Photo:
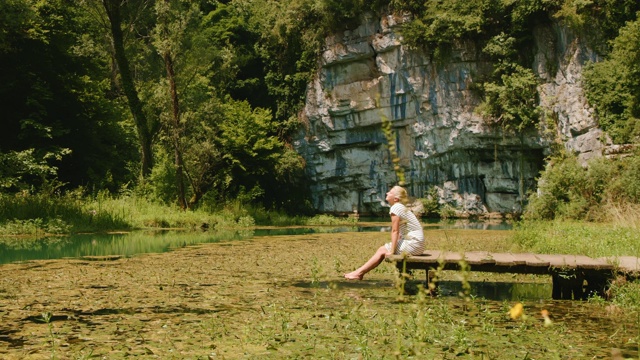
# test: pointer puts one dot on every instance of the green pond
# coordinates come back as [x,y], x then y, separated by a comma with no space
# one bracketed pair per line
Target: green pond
[585,327]
[140,242]
[136,242]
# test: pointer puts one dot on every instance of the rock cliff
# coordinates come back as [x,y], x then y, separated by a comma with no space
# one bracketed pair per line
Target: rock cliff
[368,76]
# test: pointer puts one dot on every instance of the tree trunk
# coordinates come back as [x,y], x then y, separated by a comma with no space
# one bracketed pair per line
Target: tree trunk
[112,7]
[168,62]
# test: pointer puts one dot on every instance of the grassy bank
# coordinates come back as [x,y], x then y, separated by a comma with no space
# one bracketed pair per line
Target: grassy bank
[35,215]
[578,237]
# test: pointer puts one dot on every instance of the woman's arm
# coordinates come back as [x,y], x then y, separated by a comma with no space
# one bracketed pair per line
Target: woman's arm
[395,232]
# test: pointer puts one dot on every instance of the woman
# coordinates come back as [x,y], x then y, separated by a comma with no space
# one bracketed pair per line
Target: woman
[406,234]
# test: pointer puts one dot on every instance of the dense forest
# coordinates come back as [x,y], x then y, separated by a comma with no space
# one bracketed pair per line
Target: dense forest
[193,103]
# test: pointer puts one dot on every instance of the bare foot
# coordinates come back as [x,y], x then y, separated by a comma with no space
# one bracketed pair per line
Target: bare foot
[353,276]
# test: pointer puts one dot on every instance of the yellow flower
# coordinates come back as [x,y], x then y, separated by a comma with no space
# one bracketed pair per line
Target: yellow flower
[516,311]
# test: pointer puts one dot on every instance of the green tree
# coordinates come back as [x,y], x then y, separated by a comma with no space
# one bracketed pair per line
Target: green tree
[225,146]
[169,33]
[512,102]
[613,86]
[113,9]
[54,98]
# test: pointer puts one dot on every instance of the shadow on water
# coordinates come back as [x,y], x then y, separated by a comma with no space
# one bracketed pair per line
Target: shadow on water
[343,284]
[6,335]
[498,291]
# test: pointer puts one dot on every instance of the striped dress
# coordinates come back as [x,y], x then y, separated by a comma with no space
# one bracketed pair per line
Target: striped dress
[411,236]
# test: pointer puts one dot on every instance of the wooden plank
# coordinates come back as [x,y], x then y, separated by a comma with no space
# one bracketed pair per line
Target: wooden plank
[450,257]
[519,261]
[430,257]
[431,254]
[506,259]
[531,260]
[478,258]
[629,264]
[585,262]
[575,262]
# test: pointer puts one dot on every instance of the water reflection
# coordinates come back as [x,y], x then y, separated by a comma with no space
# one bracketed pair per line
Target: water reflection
[499,291]
[139,242]
[472,225]
[127,244]
[488,290]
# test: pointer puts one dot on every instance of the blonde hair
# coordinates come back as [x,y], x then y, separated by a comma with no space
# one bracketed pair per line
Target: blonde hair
[401,194]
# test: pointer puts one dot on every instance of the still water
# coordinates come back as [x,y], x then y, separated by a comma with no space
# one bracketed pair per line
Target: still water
[141,242]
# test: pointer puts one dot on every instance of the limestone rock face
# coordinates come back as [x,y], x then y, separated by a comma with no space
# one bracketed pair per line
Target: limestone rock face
[368,77]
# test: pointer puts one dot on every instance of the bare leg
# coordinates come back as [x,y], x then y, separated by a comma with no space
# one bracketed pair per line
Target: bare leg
[371,264]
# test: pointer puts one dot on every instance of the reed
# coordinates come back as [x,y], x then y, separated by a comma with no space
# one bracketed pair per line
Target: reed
[36,215]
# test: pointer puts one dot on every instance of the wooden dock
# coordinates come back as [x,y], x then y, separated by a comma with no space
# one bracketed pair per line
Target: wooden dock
[574,276]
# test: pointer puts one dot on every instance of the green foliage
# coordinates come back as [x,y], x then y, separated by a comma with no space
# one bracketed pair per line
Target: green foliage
[512,102]
[622,180]
[613,86]
[230,143]
[447,211]
[234,150]
[163,179]
[35,227]
[597,20]
[627,295]
[439,23]
[430,202]
[53,213]
[569,191]
[54,96]
[21,169]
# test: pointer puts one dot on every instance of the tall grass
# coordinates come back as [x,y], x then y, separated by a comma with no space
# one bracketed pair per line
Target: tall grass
[583,238]
[624,215]
[31,214]
[73,212]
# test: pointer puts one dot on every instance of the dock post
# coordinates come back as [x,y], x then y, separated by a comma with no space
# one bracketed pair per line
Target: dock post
[567,285]
[598,283]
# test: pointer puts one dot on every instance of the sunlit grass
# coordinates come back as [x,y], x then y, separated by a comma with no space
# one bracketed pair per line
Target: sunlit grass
[580,238]
[624,215]
[38,214]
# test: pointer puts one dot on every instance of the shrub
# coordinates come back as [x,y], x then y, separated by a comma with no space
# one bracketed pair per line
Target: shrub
[430,202]
[566,190]
[612,86]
